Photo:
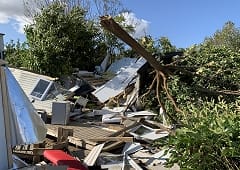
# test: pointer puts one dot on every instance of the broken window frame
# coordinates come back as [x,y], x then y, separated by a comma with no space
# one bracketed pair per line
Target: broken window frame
[43,95]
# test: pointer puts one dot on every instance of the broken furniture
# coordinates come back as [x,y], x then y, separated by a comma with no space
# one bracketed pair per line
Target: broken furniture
[60,112]
[58,157]
[34,152]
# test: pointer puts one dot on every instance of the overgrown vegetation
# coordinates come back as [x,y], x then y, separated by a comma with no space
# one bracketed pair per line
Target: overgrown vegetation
[62,37]
[205,87]
[60,40]
[210,139]
[17,54]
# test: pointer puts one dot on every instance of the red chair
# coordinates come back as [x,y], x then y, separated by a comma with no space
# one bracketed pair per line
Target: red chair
[58,157]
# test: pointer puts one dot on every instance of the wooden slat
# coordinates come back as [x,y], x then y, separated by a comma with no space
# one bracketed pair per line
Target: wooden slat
[113,146]
[104,139]
[81,134]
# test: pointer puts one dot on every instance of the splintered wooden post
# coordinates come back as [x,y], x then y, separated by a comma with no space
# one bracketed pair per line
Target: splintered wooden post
[109,24]
[62,134]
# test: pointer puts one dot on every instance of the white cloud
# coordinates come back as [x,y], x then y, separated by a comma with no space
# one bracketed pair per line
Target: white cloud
[3,18]
[13,10]
[20,23]
[141,25]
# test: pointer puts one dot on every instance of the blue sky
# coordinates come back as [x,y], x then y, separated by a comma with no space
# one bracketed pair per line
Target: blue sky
[11,31]
[184,22]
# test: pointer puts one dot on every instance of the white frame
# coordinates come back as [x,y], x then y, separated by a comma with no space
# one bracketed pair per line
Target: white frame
[45,91]
[152,135]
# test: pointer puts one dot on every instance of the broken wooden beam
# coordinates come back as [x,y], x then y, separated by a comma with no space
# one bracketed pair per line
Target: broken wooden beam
[109,24]
[91,158]
[62,134]
[112,146]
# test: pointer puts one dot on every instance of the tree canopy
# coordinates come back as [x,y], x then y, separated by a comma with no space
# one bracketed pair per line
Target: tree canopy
[206,88]
[94,8]
[60,40]
[228,36]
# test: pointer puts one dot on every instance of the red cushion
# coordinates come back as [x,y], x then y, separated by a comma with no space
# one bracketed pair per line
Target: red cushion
[58,157]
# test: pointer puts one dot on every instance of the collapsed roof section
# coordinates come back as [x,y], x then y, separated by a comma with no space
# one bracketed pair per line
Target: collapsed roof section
[119,83]
[41,90]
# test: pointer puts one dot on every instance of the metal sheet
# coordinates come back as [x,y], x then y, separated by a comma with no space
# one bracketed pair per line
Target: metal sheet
[116,85]
[121,64]
[130,148]
[26,125]
[147,133]
[4,156]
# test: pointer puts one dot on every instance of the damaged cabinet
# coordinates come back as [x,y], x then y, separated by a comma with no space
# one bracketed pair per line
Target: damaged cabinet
[60,112]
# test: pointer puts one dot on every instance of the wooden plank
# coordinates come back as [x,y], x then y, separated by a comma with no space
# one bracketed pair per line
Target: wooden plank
[62,134]
[109,24]
[91,158]
[81,134]
[104,139]
[112,146]
[81,143]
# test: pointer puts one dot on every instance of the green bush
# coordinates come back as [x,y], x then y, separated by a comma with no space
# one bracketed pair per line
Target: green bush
[210,140]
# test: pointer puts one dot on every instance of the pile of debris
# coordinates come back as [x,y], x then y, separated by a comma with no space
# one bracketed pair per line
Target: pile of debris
[97,120]
[104,127]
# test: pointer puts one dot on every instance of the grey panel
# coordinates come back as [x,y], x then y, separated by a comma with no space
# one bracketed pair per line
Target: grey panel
[60,112]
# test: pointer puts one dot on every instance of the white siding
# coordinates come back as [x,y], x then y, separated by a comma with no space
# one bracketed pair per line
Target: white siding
[27,81]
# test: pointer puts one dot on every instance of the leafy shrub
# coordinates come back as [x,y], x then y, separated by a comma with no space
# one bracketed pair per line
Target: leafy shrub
[210,140]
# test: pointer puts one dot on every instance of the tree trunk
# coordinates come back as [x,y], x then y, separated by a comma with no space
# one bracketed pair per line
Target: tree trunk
[109,24]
